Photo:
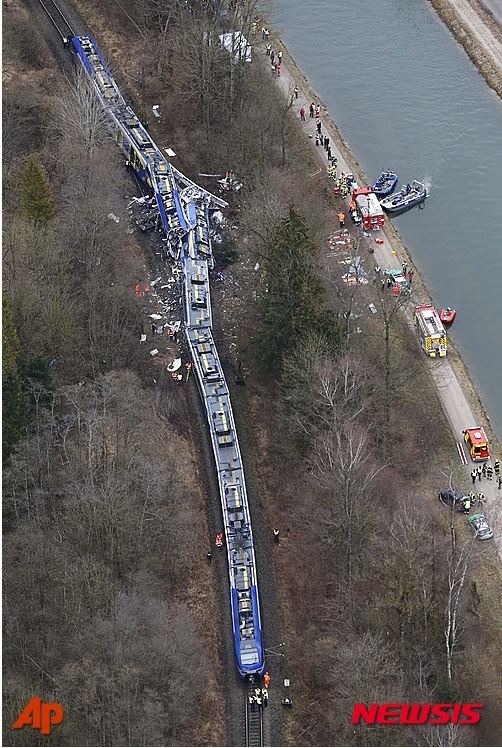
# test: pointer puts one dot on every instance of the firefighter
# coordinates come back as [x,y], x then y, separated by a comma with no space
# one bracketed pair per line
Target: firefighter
[496,466]
[209,556]
[467,504]
[267,680]
[276,535]
[489,472]
[473,475]
[264,693]
[484,469]
[252,702]
[480,472]
[481,499]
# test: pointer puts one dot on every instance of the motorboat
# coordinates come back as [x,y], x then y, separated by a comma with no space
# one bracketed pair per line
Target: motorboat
[407,197]
[447,315]
[385,184]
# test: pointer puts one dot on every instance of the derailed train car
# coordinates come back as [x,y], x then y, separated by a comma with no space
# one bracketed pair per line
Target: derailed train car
[184,210]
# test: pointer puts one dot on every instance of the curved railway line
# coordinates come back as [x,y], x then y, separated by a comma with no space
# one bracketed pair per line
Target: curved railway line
[184,211]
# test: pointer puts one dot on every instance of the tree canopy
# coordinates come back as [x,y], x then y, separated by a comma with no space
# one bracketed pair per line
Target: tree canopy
[37,201]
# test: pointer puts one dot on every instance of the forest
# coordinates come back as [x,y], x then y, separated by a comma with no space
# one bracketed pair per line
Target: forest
[381,597]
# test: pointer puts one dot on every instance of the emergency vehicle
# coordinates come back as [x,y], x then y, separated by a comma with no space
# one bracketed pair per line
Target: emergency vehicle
[369,208]
[430,331]
[477,444]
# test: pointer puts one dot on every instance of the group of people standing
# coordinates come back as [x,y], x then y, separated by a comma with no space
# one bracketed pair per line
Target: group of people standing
[487,471]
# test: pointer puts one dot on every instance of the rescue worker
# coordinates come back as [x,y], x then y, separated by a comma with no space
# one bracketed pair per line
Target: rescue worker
[473,475]
[484,469]
[312,110]
[496,466]
[252,702]
[319,126]
[276,535]
[279,57]
[499,482]
[295,91]
[489,472]
[209,556]
[264,693]
[269,49]
[326,142]
[410,276]
[480,472]
[267,680]
[481,499]
[341,218]
[259,700]
[287,702]
[467,504]
[317,139]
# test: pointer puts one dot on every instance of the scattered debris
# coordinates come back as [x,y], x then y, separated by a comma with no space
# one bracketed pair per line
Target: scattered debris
[372,308]
[113,217]
[154,352]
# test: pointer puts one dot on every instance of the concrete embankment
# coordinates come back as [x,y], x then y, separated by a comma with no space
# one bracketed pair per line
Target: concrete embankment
[461,403]
[479,34]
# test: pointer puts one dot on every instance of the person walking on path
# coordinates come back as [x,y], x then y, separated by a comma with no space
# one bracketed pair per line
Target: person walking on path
[295,91]
[276,535]
[484,469]
[278,68]
[496,466]
[473,475]
[499,482]
[272,56]
[480,472]
[268,49]
[318,111]
[410,276]
[317,139]
[326,142]
[273,69]
[279,56]
[319,126]
[302,114]
[312,110]
[321,140]
[329,153]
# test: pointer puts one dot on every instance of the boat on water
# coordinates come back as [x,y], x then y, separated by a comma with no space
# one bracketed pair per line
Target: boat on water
[408,196]
[447,315]
[385,184]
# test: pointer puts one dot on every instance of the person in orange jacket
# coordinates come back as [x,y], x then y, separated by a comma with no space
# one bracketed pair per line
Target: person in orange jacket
[266,680]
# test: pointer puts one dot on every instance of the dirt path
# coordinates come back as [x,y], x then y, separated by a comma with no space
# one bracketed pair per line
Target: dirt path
[455,390]
[479,34]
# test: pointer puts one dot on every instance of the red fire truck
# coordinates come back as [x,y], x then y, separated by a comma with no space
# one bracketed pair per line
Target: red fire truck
[369,208]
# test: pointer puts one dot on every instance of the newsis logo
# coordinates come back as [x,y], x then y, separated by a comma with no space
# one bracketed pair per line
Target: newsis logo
[417,714]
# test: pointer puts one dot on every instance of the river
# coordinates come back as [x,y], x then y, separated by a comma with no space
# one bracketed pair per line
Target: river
[406,97]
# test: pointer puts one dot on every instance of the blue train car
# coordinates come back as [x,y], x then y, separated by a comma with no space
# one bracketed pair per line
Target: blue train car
[184,215]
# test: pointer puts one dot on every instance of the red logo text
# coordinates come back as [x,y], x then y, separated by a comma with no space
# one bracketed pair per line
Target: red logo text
[417,714]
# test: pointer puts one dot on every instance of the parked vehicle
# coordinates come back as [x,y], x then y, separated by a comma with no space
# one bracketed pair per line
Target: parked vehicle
[430,331]
[453,499]
[385,184]
[407,197]
[477,444]
[369,208]
[398,278]
[480,527]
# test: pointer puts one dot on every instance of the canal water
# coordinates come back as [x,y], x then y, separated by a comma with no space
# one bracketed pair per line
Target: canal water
[406,97]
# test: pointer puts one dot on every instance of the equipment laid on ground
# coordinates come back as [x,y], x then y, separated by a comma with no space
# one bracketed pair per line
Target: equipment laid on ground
[430,330]
[184,208]
[477,444]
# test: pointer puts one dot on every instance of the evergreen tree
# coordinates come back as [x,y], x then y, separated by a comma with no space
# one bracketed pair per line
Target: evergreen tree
[37,201]
[291,308]
[14,401]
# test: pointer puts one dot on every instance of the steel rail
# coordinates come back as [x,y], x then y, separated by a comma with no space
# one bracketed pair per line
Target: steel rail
[63,36]
[254,719]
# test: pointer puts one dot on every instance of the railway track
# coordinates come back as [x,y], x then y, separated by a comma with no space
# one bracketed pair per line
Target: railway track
[58,20]
[254,719]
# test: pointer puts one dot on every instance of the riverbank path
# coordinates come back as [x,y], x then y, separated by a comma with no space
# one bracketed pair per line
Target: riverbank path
[456,406]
